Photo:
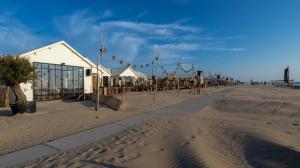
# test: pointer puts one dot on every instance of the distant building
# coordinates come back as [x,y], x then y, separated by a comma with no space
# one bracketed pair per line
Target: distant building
[127,76]
[141,78]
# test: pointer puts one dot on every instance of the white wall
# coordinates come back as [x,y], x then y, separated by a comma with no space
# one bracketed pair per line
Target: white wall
[28,91]
[58,54]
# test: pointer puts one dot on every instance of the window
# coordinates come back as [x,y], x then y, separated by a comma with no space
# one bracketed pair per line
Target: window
[57,81]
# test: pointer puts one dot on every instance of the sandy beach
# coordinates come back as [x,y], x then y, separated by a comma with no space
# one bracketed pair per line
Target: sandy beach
[250,127]
[56,119]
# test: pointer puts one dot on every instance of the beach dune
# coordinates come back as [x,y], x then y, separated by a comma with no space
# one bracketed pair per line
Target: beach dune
[250,127]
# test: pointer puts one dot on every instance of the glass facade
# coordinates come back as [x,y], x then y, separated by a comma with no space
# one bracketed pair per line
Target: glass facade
[57,81]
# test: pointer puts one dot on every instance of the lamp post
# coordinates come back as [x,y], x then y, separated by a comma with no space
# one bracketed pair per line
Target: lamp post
[98,82]
[156,58]
[152,76]
[178,75]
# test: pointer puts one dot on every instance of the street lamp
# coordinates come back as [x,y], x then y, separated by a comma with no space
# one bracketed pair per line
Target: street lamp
[102,50]
[157,59]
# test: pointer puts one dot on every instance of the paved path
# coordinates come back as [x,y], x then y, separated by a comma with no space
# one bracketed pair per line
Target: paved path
[93,135]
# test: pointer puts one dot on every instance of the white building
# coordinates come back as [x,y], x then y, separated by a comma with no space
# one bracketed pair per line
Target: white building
[141,78]
[127,76]
[60,72]
[105,75]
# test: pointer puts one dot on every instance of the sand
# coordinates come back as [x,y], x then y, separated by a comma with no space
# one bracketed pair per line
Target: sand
[250,127]
[56,119]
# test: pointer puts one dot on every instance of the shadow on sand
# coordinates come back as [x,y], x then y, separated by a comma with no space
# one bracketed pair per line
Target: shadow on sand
[264,154]
[86,103]
[185,157]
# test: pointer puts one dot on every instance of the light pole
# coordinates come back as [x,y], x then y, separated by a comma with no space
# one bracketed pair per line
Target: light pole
[178,75]
[157,58]
[98,82]
[152,77]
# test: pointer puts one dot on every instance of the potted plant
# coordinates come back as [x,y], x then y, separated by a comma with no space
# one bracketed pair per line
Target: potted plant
[14,71]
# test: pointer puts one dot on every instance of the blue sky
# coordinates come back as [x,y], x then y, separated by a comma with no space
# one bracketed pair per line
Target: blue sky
[241,38]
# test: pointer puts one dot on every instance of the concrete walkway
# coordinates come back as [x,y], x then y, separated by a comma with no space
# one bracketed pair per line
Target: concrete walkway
[96,134]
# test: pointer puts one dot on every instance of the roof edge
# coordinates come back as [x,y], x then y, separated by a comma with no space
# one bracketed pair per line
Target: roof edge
[60,43]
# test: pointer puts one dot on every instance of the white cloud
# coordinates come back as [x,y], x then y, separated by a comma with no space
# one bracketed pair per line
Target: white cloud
[15,37]
[224,49]
[126,38]
[180,46]
[135,41]
[148,28]
[128,46]
[107,13]
[192,47]
[144,13]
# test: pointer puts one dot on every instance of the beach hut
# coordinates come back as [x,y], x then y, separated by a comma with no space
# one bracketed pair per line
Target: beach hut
[61,72]
[141,78]
[124,76]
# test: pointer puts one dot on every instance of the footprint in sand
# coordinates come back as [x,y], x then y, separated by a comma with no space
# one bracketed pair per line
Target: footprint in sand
[99,160]
[86,155]
[120,142]
[118,150]
[289,132]
[192,137]
[158,150]
[135,155]
[119,158]
[161,149]
[121,155]
[199,131]
[184,143]
[141,144]
[93,149]
[109,159]
[114,139]
[100,150]
[132,142]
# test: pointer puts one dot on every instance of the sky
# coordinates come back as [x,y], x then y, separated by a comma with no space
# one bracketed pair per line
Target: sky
[243,39]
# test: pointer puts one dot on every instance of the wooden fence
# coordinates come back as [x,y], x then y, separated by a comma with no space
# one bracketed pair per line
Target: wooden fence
[4,96]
